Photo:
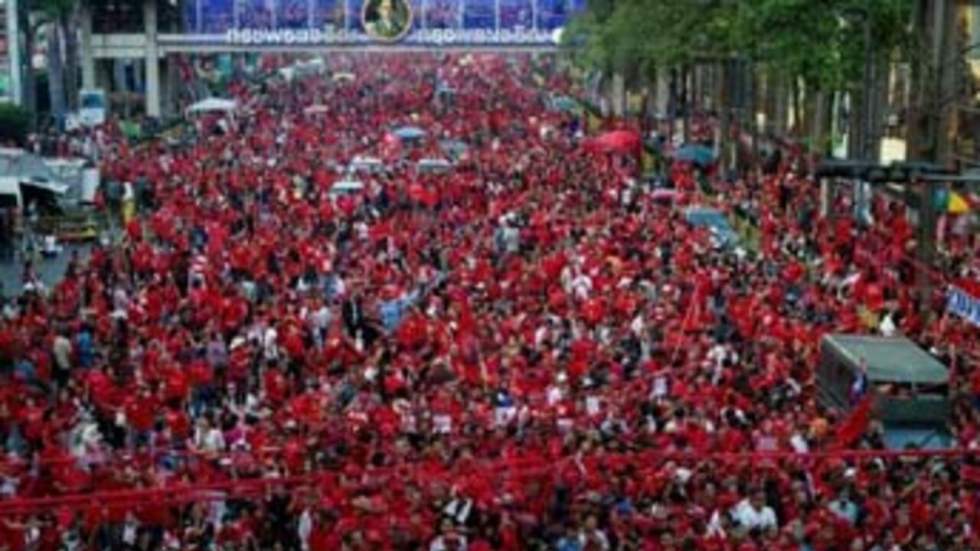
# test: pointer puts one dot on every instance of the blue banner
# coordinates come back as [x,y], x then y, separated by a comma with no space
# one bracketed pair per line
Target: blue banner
[419,22]
[964,305]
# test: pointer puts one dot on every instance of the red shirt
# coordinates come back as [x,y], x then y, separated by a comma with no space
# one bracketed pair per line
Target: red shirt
[141,411]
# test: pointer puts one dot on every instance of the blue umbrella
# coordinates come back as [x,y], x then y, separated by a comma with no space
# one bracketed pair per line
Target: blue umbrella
[409,133]
[453,148]
[564,103]
[698,154]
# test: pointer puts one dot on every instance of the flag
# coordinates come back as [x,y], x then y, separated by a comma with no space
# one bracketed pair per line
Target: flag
[854,426]
[970,473]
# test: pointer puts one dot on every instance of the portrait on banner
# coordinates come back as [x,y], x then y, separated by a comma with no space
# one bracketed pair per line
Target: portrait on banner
[387,20]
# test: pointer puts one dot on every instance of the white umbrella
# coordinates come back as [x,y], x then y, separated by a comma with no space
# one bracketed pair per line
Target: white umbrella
[314,109]
[213,105]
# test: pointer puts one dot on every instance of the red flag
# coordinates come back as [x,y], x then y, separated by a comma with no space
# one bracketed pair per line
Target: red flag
[854,426]
[970,473]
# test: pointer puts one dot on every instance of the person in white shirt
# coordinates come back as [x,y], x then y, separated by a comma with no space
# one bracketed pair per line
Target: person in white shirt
[207,438]
[304,528]
[269,343]
[754,513]
[592,537]
[61,350]
[449,539]
[582,286]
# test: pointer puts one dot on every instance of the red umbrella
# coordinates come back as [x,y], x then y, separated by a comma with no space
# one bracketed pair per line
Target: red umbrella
[616,141]
[390,145]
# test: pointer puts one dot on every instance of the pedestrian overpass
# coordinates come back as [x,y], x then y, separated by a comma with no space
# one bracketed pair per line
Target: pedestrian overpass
[158,31]
[235,25]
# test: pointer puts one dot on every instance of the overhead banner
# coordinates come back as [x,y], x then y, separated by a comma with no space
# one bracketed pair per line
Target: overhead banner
[379,22]
[964,305]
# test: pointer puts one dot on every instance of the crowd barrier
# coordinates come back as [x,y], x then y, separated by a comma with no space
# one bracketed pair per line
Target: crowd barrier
[636,463]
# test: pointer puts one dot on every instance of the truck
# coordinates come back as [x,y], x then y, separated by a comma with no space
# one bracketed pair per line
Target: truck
[909,387]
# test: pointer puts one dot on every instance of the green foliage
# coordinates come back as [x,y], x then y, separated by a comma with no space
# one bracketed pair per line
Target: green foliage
[820,41]
[634,36]
[56,8]
[14,123]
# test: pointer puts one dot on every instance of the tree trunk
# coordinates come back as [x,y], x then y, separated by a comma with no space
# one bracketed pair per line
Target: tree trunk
[649,85]
[880,108]
[780,96]
[809,105]
[795,105]
[751,108]
[56,76]
[766,97]
[686,102]
[696,82]
[619,99]
[672,101]
[718,87]
[726,147]
[934,25]
[821,122]
[854,118]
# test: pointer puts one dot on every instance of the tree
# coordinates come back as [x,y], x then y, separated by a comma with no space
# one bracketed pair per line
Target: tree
[14,123]
[807,44]
[643,41]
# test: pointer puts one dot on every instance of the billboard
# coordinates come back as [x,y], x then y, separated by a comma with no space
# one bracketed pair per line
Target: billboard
[353,22]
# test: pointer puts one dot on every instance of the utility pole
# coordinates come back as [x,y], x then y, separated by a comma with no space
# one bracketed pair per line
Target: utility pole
[934,23]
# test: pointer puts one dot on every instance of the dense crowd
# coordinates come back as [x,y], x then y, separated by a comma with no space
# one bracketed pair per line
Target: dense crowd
[528,351]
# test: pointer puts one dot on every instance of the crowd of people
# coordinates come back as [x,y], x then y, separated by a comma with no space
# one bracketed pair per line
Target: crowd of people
[530,350]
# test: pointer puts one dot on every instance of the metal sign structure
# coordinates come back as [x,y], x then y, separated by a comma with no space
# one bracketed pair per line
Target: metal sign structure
[410,24]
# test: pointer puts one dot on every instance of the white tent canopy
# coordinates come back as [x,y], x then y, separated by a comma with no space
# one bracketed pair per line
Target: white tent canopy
[213,105]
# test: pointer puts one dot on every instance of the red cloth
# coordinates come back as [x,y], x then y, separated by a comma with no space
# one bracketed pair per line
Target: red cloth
[970,473]
[624,142]
[854,426]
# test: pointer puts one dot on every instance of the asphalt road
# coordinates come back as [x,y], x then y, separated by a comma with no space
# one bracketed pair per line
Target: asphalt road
[50,269]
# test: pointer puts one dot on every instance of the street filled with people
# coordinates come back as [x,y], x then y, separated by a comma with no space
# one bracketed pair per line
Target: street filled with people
[524,345]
